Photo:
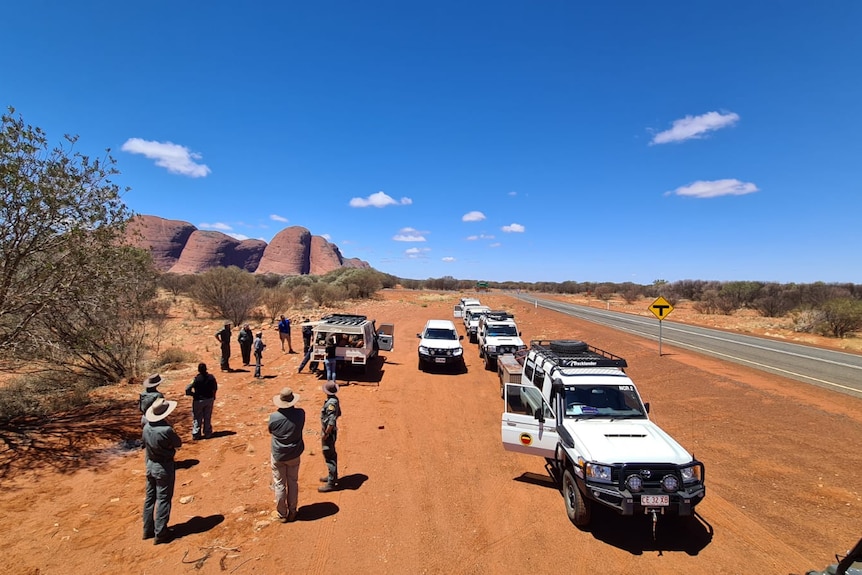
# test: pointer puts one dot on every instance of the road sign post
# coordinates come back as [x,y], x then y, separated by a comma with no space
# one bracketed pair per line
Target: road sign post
[660,308]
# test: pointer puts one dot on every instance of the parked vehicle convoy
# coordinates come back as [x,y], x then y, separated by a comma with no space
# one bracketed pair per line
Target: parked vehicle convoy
[498,334]
[576,407]
[462,303]
[440,345]
[359,339]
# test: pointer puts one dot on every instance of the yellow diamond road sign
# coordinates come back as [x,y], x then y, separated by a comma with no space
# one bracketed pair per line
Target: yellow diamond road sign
[661,308]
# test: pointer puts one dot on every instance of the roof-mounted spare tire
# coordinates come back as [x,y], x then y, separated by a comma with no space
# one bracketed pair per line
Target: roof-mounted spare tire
[568,346]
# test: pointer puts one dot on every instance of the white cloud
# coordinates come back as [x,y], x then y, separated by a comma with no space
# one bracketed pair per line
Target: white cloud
[409,235]
[327,237]
[448,259]
[513,193]
[495,245]
[480,237]
[378,200]
[473,217]
[216,226]
[517,228]
[415,253]
[239,237]
[278,218]
[177,159]
[714,189]
[694,127]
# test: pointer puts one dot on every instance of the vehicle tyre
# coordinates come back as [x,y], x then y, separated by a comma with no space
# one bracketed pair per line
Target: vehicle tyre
[568,346]
[473,338]
[421,365]
[577,506]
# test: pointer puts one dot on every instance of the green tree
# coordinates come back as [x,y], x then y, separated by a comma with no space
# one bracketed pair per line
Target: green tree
[230,293]
[62,223]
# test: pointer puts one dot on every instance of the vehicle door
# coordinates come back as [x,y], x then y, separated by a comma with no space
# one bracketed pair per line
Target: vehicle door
[528,423]
[386,336]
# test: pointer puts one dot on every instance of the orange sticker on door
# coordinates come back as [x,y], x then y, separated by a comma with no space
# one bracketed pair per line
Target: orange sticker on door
[526,439]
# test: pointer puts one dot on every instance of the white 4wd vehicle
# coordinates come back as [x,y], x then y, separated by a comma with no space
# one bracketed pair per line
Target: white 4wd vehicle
[440,345]
[577,408]
[498,334]
[472,315]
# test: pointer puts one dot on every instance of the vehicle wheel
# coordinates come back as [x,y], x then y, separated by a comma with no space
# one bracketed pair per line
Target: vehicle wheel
[481,352]
[568,346]
[489,363]
[421,366]
[577,507]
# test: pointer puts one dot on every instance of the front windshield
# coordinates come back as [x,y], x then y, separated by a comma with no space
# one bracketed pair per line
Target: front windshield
[619,401]
[502,330]
[439,333]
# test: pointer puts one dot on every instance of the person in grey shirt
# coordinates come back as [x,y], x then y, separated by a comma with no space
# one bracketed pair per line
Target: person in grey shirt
[149,395]
[160,445]
[286,426]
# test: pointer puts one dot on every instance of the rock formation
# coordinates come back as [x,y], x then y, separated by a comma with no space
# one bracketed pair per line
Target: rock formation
[179,247]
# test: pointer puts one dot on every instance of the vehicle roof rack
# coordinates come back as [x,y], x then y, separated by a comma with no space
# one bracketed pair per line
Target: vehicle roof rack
[576,353]
[498,315]
[343,319]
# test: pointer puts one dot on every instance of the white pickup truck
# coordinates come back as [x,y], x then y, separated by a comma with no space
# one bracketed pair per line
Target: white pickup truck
[577,408]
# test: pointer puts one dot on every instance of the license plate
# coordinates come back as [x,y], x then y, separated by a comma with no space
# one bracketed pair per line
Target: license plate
[440,360]
[655,500]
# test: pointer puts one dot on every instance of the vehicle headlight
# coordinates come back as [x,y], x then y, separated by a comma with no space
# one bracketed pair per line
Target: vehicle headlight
[522,347]
[670,483]
[423,350]
[598,472]
[634,483]
[457,352]
[690,474]
[492,348]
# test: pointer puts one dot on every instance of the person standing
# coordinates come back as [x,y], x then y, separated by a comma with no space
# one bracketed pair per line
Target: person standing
[307,333]
[160,445]
[245,340]
[329,415]
[203,390]
[149,395]
[223,335]
[330,360]
[284,334]
[285,426]
[259,346]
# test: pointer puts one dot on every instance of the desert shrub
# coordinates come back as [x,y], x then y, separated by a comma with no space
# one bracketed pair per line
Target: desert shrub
[807,320]
[175,355]
[275,300]
[842,316]
[230,293]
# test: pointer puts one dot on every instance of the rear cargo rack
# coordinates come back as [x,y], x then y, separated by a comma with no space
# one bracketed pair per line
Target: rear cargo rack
[574,353]
[337,319]
[498,315]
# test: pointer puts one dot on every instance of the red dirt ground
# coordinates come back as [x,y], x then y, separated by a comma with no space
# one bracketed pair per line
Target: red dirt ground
[427,486]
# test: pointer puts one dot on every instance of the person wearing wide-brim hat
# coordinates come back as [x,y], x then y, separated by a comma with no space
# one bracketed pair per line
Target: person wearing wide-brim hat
[149,395]
[160,445]
[329,415]
[285,426]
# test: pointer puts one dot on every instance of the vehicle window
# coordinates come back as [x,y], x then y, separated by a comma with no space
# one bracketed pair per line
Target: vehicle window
[603,401]
[440,333]
[538,378]
[502,330]
[532,398]
[529,367]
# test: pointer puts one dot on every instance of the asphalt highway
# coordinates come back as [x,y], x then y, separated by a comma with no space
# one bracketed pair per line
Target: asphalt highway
[834,370]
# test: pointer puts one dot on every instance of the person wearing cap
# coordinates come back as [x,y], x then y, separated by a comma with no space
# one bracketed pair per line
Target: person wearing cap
[329,415]
[203,390]
[160,445]
[285,426]
[259,346]
[223,335]
[149,395]
[245,340]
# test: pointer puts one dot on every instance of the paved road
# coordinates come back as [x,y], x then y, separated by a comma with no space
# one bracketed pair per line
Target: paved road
[831,369]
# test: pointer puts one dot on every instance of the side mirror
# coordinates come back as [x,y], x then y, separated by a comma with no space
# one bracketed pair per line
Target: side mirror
[460,337]
[646,406]
[419,335]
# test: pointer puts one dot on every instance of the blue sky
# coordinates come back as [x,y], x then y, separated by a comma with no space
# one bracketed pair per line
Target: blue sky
[498,140]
